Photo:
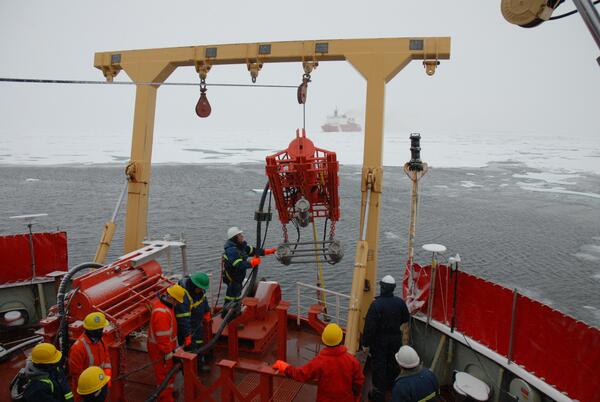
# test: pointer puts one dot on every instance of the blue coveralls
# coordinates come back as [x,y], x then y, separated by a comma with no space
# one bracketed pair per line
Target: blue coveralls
[190,314]
[235,265]
[46,385]
[416,385]
[383,336]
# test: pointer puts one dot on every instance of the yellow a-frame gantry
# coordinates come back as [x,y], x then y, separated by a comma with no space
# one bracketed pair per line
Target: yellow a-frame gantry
[377,60]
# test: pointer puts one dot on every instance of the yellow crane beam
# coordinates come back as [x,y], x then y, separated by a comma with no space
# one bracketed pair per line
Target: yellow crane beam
[377,60]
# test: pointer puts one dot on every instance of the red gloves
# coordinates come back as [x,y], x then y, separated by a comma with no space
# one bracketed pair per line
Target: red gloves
[280,365]
[254,262]
[187,341]
[206,316]
[270,250]
[108,372]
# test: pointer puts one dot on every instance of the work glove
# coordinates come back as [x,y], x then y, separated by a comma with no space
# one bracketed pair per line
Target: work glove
[255,262]
[280,366]
[207,316]
[168,356]
[187,341]
[270,250]
[108,372]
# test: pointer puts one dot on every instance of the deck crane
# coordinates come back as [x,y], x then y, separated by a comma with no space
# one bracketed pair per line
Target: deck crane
[377,60]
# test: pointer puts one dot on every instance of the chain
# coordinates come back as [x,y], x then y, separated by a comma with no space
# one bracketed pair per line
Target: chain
[122,363]
[285,233]
[202,85]
[332,230]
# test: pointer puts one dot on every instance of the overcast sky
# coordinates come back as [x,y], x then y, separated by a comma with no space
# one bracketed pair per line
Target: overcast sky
[500,78]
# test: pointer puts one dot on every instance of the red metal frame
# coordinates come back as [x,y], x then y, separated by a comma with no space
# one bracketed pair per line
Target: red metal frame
[304,170]
[263,319]
[124,294]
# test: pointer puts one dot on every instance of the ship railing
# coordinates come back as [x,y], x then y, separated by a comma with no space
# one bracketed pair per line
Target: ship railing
[335,304]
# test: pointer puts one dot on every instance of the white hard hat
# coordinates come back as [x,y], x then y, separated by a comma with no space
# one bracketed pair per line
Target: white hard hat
[389,279]
[407,357]
[233,231]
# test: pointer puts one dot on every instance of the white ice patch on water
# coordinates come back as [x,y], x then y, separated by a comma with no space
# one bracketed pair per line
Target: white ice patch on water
[559,190]
[470,174]
[535,295]
[439,149]
[391,235]
[31,179]
[469,184]
[588,252]
[548,177]
[503,185]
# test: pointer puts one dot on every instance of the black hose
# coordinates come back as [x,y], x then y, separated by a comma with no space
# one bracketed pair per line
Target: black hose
[252,280]
[230,314]
[204,348]
[63,334]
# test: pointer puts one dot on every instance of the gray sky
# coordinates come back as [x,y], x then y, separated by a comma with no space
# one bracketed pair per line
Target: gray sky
[501,78]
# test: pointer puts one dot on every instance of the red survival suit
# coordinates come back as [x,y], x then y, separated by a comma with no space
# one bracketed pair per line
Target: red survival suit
[338,374]
[162,340]
[83,354]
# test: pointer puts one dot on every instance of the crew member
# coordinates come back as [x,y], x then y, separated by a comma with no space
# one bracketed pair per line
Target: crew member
[386,329]
[92,385]
[235,262]
[162,337]
[415,382]
[194,310]
[46,382]
[89,349]
[338,374]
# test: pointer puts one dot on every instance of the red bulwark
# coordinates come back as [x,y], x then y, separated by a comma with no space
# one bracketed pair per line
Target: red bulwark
[50,255]
[562,351]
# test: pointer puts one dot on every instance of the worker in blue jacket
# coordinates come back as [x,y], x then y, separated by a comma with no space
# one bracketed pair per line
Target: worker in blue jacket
[386,329]
[194,310]
[235,262]
[415,382]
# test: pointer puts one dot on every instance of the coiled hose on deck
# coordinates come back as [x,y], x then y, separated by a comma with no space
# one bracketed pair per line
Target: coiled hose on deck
[63,335]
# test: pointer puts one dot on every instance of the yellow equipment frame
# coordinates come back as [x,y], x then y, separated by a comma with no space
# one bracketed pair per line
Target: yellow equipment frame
[377,60]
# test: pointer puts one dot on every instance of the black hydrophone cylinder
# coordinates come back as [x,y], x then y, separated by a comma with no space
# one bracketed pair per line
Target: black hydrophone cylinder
[415,153]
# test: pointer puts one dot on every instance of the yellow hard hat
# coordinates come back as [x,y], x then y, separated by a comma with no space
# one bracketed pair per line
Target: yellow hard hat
[332,335]
[177,292]
[45,353]
[94,321]
[91,380]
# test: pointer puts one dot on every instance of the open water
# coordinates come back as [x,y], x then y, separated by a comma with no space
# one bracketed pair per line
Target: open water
[510,224]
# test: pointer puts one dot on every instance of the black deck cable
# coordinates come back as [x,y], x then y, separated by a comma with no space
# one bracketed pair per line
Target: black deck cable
[233,308]
[204,348]
[63,334]
[570,12]
[93,82]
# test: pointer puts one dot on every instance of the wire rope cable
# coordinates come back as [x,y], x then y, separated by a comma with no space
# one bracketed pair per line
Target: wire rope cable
[570,12]
[97,82]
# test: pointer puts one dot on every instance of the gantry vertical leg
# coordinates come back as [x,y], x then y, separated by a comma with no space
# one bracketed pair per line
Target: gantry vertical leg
[377,69]
[139,167]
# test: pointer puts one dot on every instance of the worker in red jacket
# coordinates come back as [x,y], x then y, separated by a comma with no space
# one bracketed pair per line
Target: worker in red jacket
[162,337]
[338,374]
[89,349]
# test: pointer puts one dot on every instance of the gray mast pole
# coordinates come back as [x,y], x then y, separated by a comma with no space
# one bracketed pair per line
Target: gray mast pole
[590,16]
